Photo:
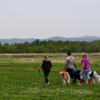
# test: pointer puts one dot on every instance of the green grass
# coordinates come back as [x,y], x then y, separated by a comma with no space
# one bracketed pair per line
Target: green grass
[20,81]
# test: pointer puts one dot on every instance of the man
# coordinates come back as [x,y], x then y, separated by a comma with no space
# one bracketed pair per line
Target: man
[70,63]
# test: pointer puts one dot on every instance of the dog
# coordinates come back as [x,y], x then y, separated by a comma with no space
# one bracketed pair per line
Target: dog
[76,75]
[94,76]
[66,77]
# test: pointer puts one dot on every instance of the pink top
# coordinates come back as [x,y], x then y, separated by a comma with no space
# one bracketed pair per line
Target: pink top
[86,61]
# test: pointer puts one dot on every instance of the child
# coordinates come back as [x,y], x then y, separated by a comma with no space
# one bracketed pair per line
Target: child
[86,68]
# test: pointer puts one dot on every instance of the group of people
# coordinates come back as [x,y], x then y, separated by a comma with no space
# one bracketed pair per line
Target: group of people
[69,66]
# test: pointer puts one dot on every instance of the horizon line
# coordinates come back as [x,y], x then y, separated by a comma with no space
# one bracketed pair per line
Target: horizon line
[51,37]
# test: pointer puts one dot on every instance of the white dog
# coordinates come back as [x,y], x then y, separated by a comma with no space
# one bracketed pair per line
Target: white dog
[94,76]
[65,76]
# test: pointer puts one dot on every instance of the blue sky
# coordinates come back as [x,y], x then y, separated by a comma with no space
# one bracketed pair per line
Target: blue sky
[47,18]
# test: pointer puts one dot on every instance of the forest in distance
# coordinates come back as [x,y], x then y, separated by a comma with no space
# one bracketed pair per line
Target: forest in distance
[51,47]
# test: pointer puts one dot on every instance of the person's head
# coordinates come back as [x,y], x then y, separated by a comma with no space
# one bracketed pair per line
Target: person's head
[84,55]
[46,57]
[68,54]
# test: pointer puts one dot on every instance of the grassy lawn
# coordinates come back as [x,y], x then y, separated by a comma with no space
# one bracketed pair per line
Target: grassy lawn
[20,81]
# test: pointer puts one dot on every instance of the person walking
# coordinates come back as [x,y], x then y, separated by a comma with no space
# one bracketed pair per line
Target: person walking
[70,63]
[46,66]
[85,68]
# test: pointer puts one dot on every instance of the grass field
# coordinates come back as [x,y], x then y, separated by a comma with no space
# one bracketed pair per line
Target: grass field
[20,81]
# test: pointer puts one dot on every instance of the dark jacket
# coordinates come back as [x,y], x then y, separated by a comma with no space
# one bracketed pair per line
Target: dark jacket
[46,65]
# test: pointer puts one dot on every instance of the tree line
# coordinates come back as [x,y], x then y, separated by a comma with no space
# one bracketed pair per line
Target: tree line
[51,47]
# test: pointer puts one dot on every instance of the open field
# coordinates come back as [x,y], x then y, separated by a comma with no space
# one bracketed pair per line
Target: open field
[20,81]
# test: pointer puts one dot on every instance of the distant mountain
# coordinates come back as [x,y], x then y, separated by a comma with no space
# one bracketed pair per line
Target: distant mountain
[84,38]
[17,40]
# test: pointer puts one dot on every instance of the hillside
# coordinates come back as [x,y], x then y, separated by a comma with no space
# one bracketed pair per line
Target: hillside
[56,38]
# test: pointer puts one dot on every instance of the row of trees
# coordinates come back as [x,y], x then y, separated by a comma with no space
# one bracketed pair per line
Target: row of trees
[51,47]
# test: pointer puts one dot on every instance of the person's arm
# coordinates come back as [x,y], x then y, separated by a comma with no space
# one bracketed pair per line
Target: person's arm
[83,65]
[50,64]
[64,68]
[75,65]
[41,66]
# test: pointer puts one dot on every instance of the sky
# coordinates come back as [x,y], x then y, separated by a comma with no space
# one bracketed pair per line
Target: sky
[48,18]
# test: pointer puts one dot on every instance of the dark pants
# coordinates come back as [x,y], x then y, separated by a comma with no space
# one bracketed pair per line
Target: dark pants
[76,76]
[70,72]
[46,76]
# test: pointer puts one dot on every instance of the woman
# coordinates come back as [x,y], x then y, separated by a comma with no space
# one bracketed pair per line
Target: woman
[86,68]
[46,66]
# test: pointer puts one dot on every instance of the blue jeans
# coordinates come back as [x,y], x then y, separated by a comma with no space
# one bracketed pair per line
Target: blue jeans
[85,72]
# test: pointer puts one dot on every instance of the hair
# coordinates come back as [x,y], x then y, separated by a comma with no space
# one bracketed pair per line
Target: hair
[84,54]
[69,53]
[46,57]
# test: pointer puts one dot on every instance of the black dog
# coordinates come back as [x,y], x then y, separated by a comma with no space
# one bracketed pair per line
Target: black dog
[76,75]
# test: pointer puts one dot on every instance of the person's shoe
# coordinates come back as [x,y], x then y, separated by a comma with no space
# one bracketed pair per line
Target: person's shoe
[48,83]
[79,84]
